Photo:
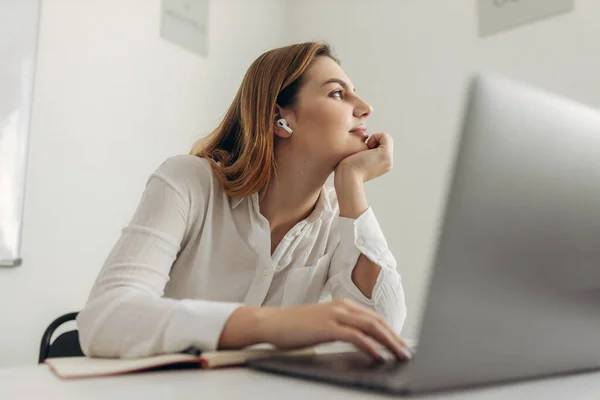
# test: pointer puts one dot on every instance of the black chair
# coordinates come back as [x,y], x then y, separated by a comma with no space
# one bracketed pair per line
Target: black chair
[65,345]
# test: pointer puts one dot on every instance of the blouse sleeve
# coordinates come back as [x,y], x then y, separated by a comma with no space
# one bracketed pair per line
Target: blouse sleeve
[364,236]
[126,315]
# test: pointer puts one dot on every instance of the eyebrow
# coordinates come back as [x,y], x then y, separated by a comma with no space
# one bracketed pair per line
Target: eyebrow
[336,80]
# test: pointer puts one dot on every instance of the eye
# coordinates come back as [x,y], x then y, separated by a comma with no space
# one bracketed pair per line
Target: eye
[336,94]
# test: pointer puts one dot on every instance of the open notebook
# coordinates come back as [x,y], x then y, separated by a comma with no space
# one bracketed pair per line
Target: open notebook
[83,367]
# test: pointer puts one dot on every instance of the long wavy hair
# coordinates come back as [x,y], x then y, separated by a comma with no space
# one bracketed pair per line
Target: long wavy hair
[241,148]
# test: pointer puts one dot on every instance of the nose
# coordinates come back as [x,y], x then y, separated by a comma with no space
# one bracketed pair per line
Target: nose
[362,109]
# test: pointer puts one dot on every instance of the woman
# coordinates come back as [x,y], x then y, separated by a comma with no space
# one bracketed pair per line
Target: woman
[236,243]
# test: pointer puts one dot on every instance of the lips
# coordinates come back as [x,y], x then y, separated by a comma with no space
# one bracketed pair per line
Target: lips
[361,132]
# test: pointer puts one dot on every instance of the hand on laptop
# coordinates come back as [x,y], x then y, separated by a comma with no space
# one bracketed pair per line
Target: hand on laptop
[340,320]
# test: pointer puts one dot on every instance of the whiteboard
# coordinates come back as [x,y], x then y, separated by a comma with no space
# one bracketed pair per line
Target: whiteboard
[18,42]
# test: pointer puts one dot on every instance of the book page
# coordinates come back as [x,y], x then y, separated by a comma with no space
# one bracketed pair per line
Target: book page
[78,367]
[238,357]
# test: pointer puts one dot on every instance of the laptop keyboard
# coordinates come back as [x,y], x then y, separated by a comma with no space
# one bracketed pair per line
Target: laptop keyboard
[352,368]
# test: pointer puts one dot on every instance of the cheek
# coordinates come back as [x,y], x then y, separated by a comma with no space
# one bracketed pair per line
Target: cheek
[327,121]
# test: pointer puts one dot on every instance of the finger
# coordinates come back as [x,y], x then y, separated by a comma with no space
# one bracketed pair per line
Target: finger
[376,329]
[360,340]
[372,142]
[387,142]
[361,309]
[379,139]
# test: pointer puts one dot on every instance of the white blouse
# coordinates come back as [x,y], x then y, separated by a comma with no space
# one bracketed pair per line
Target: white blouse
[192,254]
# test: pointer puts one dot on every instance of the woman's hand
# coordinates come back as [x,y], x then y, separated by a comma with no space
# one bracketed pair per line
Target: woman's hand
[342,320]
[354,170]
[371,163]
[295,327]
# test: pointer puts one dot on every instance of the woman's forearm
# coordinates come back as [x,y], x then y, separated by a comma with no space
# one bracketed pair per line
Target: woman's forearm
[352,201]
[243,328]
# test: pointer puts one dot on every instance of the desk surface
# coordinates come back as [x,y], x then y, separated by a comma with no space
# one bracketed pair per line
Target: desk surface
[38,382]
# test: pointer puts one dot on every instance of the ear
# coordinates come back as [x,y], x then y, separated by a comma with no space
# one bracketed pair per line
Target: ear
[289,116]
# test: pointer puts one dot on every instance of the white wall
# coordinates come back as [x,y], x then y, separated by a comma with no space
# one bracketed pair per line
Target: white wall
[410,59]
[112,100]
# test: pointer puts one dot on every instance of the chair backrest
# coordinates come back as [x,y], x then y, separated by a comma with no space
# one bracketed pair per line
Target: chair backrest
[65,345]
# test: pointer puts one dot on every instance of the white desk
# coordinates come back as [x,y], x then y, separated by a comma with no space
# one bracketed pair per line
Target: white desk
[38,382]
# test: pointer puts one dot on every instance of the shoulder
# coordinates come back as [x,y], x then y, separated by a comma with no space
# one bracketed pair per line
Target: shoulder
[189,175]
[185,166]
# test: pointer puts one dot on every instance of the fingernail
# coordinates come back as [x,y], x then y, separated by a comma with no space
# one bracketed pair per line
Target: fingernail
[384,355]
[406,352]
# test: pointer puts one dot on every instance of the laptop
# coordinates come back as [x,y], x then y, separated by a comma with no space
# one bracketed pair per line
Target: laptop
[515,287]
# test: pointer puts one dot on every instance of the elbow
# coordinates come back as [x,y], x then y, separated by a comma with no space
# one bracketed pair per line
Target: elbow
[108,330]
[85,329]
[90,322]
[395,310]
[97,336]
[402,310]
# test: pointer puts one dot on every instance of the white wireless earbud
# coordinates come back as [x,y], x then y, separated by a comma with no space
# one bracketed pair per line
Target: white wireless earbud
[283,123]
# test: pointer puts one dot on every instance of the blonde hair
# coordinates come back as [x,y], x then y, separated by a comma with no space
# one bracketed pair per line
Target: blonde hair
[241,148]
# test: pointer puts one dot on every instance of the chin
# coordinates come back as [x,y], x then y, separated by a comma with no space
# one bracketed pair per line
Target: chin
[356,146]
[337,153]
[348,151]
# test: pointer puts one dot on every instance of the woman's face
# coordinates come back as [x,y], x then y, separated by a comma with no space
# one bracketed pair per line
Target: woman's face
[328,119]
